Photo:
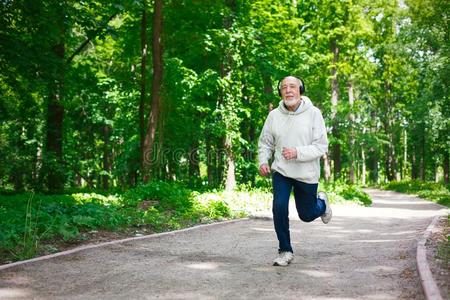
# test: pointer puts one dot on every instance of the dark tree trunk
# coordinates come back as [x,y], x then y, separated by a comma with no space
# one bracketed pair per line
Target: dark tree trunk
[423,159]
[446,167]
[363,167]
[268,90]
[143,96]
[210,162]
[18,170]
[107,159]
[17,179]
[390,159]
[373,165]
[55,173]
[414,167]
[230,182]
[152,121]
[194,168]
[162,159]
[352,156]
[336,152]
[53,158]
[337,155]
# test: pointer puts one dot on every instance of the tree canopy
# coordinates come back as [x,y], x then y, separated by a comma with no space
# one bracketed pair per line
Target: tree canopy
[108,94]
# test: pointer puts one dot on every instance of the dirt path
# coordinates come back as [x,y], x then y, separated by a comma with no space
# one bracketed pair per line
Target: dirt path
[364,253]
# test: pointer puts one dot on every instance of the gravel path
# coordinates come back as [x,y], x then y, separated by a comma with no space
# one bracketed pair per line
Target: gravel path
[364,253]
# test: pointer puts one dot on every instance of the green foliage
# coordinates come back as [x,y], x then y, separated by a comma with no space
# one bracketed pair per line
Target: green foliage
[42,217]
[165,195]
[217,88]
[339,192]
[436,192]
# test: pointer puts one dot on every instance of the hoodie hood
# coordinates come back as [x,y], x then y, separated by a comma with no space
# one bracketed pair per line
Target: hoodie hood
[307,104]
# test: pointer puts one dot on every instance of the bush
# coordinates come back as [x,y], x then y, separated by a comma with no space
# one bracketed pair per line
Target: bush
[28,219]
[163,196]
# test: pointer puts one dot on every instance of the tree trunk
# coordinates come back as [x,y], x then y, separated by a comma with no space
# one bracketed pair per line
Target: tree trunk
[423,164]
[336,152]
[405,154]
[351,101]
[337,156]
[107,159]
[363,166]
[230,182]
[334,79]
[446,166]
[210,162]
[161,157]
[143,96]
[373,163]
[53,157]
[54,131]
[390,159]
[267,82]
[18,170]
[156,90]
[194,168]
[414,166]
[225,69]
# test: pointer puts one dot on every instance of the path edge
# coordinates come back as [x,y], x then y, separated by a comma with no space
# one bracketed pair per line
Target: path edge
[429,285]
[93,246]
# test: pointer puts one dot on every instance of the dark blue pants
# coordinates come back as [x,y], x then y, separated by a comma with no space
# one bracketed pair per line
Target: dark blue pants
[309,207]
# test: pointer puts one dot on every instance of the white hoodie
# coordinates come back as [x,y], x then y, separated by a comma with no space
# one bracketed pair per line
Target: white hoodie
[303,129]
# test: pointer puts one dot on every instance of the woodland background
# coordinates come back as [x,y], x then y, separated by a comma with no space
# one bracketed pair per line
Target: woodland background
[109,94]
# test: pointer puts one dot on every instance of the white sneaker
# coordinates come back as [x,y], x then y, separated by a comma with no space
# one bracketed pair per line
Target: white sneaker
[284,258]
[326,217]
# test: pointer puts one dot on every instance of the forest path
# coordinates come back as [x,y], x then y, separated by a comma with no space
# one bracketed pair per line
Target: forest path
[363,253]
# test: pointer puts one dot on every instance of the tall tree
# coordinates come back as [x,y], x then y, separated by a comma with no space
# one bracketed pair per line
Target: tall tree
[157,58]
[143,85]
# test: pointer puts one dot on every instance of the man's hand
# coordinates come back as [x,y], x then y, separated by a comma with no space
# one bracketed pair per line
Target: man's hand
[289,153]
[264,170]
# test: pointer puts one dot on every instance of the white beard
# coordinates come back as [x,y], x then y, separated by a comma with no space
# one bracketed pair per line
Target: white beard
[290,102]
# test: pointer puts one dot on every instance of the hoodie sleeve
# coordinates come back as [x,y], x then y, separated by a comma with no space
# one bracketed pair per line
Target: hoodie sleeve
[319,145]
[266,142]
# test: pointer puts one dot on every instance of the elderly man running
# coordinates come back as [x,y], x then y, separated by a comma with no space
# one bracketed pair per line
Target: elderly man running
[295,134]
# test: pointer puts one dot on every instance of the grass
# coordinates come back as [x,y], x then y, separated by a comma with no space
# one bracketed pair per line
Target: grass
[35,224]
[436,192]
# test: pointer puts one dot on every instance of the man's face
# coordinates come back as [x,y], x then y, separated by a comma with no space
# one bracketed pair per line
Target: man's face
[290,90]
